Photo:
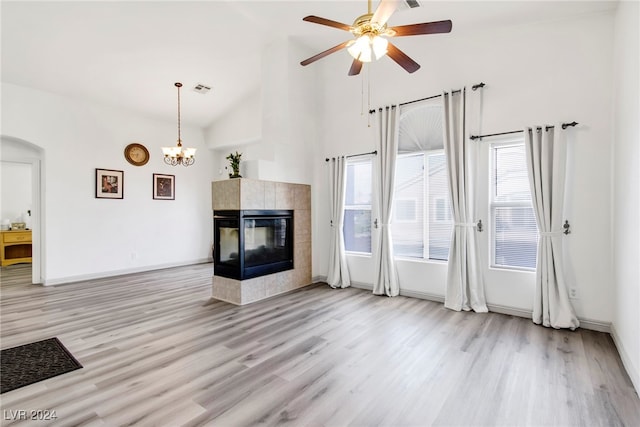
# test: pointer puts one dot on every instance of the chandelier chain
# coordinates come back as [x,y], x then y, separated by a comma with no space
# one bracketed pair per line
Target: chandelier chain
[178,85]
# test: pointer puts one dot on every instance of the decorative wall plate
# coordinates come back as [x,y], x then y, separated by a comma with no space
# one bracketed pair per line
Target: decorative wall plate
[136,154]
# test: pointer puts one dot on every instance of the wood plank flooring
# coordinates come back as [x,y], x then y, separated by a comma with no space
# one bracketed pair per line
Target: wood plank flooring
[157,350]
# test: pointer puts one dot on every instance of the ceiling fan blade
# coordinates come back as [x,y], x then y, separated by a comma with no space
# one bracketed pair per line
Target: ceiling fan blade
[356,66]
[402,59]
[327,22]
[425,28]
[321,55]
[384,11]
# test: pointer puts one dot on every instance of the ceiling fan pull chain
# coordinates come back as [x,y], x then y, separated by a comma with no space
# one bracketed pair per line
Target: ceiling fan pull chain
[362,95]
[369,94]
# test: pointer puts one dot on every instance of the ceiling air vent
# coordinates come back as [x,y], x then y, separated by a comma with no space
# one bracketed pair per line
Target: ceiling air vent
[408,4]
[200,88]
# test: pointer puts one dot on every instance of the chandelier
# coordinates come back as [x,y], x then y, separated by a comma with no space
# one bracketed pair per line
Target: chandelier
[177,155]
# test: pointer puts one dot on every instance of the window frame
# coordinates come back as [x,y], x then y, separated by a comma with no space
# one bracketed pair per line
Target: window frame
[426,207]
[360,207]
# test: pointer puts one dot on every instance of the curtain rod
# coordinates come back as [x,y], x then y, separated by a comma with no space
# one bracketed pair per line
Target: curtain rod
[354,155]
[474,137]
[474,87]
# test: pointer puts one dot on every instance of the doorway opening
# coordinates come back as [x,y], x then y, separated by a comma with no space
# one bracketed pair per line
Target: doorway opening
[21,204]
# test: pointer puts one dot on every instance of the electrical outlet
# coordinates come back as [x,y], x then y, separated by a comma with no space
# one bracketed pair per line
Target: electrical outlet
[573,293]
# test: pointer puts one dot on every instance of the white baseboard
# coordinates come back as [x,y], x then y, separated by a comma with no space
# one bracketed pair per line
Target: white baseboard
[423,295]
[319,279]
[359,285]
[593,325]
[106,274]
[632,370]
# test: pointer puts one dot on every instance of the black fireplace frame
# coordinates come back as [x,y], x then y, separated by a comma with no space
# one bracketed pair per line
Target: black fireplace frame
[241,271]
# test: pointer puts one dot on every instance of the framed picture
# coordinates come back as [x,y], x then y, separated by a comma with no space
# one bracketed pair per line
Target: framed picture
[164,186]
[109,184]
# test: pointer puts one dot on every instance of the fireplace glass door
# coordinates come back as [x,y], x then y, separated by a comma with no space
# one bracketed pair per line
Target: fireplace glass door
[229,242]
[265,241]
[252,243]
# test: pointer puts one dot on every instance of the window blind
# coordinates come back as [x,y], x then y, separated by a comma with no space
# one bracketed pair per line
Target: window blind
[514,229]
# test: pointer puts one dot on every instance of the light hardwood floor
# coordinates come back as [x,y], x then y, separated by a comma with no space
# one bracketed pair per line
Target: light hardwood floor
[157,351]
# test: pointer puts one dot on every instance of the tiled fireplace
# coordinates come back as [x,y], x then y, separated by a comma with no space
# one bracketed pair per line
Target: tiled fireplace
[262,239]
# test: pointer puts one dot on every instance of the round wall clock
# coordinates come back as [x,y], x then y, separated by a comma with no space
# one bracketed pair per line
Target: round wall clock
[136,154]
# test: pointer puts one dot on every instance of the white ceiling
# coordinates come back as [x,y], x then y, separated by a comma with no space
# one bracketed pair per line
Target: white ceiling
[129,54]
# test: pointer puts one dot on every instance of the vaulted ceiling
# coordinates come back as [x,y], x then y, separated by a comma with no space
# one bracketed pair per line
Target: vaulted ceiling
[129,54]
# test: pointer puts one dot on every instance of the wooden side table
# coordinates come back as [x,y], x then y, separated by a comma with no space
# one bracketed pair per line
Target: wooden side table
[15,247]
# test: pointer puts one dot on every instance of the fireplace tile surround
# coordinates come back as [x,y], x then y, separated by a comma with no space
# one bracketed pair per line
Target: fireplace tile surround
[245,194]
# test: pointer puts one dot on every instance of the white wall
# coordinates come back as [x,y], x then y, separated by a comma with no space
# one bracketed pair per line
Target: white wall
[626,190]
[15,178]
[87,237]
[535,74]
[287,140]
[240,125]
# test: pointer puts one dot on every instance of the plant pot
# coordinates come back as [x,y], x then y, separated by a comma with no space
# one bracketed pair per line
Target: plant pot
[235,175]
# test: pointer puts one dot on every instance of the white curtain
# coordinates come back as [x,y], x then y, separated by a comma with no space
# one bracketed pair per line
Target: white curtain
[385,281]
[338,274]
[465,287]
[546,166]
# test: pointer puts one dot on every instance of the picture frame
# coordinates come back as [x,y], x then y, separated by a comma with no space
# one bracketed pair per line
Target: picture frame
[109,184]
[164,186]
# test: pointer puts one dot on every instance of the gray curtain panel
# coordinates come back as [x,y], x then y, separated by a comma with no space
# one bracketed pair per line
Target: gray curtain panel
[385,281]
[546,154]
[338,274]
[465,287]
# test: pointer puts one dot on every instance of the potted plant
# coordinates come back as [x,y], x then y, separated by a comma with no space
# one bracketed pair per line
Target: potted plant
[234,160]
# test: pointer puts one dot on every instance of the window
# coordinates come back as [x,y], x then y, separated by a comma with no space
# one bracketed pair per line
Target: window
[514,237]
[422,195]
[405,210]
[443,209]
[357,207]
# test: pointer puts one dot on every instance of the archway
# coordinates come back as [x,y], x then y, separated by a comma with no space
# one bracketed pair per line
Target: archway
[19,151]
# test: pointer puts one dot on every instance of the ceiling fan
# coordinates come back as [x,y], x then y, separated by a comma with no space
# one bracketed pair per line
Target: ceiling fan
[371,34]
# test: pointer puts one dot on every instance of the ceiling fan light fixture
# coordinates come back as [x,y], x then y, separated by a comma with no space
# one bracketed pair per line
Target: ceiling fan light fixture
[360,50]
[379,45]
[370,31]
[365,47]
